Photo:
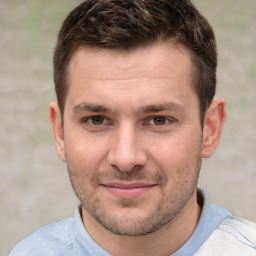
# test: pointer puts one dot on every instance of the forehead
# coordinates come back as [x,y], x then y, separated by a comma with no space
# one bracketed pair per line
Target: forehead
[148,73]
[159,60]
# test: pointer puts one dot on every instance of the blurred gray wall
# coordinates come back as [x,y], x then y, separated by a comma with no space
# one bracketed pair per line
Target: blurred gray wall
[34,185]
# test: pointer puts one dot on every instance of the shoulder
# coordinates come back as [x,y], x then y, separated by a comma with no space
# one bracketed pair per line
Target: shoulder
[53,239]
[240,228]
[234,236]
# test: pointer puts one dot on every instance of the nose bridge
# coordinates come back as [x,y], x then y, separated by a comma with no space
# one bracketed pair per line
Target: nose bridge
[126,150]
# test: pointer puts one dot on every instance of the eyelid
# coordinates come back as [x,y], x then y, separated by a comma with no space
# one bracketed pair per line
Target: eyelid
[86,120]
[169,120]
[148,121]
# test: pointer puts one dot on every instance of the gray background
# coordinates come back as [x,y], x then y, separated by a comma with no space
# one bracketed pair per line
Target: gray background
[34,185]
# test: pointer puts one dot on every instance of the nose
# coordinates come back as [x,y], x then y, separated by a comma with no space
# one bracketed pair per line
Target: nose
[126,150]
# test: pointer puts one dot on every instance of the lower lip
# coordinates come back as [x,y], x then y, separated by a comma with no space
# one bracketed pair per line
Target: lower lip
[128,192]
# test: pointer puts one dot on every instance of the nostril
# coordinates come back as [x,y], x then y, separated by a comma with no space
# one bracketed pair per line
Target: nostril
[134,169]
[127,162]
[135,173]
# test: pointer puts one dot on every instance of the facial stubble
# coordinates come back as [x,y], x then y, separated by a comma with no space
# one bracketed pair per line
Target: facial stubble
[161,213]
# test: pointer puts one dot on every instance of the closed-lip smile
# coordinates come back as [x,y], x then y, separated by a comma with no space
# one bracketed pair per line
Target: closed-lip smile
[127,190]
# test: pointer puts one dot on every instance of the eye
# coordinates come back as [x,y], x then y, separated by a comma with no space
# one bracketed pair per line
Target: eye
[159,120]
[96,123]
[97,120]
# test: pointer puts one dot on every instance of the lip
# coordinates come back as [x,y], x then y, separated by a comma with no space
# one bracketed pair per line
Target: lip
[128,189]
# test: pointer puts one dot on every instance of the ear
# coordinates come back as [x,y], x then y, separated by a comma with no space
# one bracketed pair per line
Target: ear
[57,129]
[213,124]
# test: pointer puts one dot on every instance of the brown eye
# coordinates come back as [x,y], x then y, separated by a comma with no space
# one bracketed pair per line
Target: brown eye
[159,120]
[97,120]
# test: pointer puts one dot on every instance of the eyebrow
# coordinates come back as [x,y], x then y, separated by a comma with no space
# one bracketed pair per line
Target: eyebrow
[90,107]
[170,106]
[154,108]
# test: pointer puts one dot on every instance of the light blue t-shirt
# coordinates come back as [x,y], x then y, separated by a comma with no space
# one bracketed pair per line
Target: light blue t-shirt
[70,238]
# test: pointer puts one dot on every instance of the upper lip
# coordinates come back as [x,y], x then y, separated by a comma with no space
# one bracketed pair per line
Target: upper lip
[127,185]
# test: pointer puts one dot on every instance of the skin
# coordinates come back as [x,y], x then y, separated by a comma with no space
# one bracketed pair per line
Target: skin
[133,144]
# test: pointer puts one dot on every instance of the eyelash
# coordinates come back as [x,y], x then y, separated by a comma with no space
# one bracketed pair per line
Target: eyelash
[90,120]
[105,121]
[160,118]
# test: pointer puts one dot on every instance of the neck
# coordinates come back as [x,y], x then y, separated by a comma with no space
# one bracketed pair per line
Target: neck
[166,240]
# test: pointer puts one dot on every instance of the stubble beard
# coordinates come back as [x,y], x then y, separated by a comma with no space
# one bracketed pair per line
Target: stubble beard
[162,213]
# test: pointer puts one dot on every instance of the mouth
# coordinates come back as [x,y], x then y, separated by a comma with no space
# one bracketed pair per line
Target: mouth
[128,190]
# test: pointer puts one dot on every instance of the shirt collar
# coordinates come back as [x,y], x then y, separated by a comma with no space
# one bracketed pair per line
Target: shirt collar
[211,217]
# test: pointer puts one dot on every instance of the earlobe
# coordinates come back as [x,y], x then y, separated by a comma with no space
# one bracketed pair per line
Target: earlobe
[57,129]
[213,124]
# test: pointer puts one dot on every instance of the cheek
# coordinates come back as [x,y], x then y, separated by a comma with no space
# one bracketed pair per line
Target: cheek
[85,153]
[176,153]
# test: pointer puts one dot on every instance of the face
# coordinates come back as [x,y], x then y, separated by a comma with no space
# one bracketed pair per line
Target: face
[132,136]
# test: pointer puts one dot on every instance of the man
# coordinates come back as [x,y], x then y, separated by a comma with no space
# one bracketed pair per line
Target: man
[135,115]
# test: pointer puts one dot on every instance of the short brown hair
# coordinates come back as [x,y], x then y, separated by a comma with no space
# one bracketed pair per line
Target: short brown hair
[127,24]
